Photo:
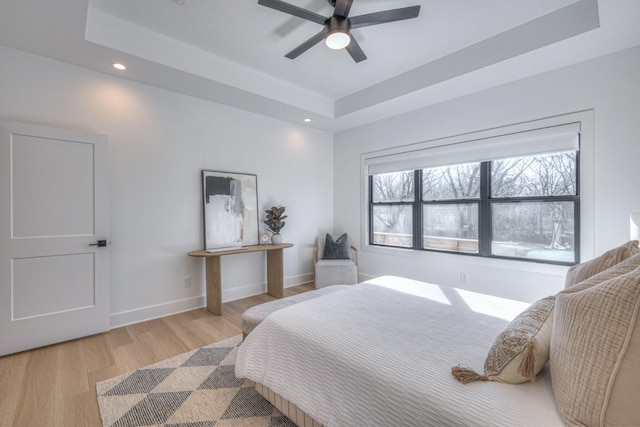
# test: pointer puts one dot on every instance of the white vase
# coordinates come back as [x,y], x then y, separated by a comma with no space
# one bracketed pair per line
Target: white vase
[276,239]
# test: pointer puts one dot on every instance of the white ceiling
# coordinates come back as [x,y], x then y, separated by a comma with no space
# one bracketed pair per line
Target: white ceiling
[232,52]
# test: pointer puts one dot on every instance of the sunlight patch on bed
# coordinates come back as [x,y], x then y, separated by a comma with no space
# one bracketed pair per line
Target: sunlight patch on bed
[501,308]
[412,287]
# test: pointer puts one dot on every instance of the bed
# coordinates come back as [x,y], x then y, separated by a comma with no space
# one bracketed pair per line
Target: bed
[380,353]
[386,352]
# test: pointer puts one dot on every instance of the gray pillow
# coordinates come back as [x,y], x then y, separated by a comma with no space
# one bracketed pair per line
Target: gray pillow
[336,248]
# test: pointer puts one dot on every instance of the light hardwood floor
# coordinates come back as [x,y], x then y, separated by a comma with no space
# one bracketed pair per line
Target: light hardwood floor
[56,385]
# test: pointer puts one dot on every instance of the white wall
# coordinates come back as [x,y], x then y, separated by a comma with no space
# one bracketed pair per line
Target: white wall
[609,85]
[159,142]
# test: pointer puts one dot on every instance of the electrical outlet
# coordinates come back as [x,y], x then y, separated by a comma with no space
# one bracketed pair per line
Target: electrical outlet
[463,278]
[186,282]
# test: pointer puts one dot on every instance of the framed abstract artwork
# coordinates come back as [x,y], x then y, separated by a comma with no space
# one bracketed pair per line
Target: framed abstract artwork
[230,203]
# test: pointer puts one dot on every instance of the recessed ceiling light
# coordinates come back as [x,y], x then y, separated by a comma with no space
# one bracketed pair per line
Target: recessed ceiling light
[119,66]
[307,120]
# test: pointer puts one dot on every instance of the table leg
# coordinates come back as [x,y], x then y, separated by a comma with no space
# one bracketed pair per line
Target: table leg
[275,273]
[214,285]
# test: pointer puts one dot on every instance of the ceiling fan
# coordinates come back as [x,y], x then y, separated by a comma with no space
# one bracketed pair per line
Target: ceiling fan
[336,31]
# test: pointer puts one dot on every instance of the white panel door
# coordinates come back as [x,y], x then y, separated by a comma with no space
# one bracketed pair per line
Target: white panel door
[54,207]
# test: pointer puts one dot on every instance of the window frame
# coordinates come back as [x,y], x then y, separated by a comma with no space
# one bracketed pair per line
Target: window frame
[485,203]
[468,201]
[412,204]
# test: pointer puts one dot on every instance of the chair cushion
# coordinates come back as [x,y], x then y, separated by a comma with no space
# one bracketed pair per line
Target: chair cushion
[335,272]
[329,263]
[336,248]
[595,353]
[580,272]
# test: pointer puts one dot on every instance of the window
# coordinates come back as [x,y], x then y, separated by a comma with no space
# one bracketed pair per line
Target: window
[521,206]
[393,196]
[533,206]
[450,207]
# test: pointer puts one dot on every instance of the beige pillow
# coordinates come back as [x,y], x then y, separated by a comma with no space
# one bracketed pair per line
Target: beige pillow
[580,272]
[619,269]
[520,351]
[595,353]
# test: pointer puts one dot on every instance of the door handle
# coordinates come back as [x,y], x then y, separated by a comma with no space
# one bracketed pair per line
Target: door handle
[99,243]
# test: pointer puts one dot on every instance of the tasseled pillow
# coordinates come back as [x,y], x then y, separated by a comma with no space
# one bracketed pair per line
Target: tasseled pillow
[520,351]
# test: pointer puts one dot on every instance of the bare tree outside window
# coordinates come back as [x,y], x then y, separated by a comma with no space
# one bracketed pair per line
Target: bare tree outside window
[540,229]
[526,208]
[546,175]
[537,230]
[456,182]
[392,217]
[451,226]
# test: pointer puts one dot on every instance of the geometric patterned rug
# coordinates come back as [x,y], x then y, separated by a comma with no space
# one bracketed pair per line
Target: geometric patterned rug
[194,389]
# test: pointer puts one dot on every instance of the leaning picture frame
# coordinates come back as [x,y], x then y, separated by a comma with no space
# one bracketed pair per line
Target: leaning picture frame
[230,206]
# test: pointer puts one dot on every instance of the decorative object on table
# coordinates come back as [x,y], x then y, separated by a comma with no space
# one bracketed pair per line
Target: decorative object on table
[230,209]
[275,222]
[264,238]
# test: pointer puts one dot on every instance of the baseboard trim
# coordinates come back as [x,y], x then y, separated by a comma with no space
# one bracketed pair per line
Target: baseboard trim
[143,314]
[243,292]
[151,312]
[298,280]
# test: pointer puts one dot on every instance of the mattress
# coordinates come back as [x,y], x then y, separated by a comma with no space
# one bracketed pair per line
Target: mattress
[380,353]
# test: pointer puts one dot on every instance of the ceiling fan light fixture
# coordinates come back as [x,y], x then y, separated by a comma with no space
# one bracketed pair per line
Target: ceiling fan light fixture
[337,40]
[337,33]
[336,28]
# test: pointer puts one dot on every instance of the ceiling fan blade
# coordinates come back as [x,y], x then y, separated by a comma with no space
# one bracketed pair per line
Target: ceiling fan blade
[384,16]
[306,45]
[355,50]
[342,8]
[293,10]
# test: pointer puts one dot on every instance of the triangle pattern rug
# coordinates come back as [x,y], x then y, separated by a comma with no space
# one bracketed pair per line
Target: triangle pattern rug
[195,389]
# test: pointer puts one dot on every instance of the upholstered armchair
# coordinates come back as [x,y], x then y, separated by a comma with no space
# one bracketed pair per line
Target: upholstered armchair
[335,261]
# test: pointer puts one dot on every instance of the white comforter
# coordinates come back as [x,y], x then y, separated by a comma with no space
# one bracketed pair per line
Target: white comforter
[380,354]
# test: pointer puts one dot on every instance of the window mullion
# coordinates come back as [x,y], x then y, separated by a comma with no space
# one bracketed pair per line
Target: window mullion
[417,209]
[577,212]
[371,241]
[484,210]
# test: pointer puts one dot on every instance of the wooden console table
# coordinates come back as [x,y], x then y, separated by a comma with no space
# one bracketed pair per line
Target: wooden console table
[275,272]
